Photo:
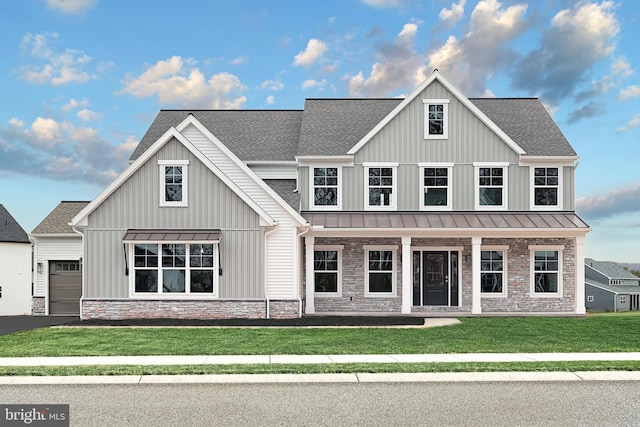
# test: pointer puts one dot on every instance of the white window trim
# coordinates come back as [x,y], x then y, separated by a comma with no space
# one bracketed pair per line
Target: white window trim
[449,167]
[445,124]
[532,187]
[185,182]
[394,260]
[590,298]
[505,269]
[505,185]
[622,299]
[532,290]
[312,205]
[394,185]
[172,295]
[339,249]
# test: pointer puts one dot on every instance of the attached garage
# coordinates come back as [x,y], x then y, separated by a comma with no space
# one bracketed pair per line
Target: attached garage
[65,288]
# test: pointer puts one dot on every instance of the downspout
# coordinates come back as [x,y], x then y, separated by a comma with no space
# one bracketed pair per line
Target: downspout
[82,261]
[299,235]
[266,234]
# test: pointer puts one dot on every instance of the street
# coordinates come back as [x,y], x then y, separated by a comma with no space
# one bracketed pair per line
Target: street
[345,404]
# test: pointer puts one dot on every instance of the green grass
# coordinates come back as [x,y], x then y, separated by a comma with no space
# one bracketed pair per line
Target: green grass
[597,333]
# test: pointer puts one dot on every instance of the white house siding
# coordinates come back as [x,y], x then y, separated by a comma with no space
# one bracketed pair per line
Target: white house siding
[15,279]
[281,243]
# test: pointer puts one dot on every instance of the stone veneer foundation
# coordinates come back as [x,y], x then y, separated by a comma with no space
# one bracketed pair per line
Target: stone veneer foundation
[37,306]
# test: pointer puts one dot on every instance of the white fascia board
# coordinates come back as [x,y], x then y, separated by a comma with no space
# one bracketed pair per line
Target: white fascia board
[507,233]
[81,218]
[549,160]
[41,235]
[435,75]
[333,160]
[191,120]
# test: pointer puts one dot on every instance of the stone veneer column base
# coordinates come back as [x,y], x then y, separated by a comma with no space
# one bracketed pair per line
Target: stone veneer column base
[38,307]
[117,309]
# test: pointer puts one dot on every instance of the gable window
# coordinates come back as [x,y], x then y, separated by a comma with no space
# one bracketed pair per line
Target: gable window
[380,185]
[436,113]
[546,275]
[326,270]
[546,187]
[326,189]
[436,186]
[493,269]
[491,186]
[380,274]
[173,182]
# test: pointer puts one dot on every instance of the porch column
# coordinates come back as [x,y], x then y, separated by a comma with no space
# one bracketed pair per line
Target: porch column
[476,302]
[580,302]
[310,285]
[406,275]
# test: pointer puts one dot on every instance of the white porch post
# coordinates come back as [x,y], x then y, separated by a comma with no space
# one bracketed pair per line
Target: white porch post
[310,307]
[476,302]
[580,302]
[406,275]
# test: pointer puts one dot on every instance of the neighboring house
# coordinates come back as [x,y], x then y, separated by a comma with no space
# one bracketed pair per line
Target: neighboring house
[435,204]
[57,263]
[610,287]
[15,267]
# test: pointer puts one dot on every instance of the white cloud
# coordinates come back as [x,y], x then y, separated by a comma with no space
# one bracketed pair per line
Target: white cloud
[633,123]
[239,60]
[621,67]
[629,92]
[87,115]
[319,84]
[175,82]
[614,202]
[382,3]
[272,85]
[270,100]
[314,51]
[450,16]
[71,6]
[73,104]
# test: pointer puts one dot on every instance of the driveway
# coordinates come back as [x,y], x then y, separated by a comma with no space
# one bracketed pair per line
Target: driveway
[9,324]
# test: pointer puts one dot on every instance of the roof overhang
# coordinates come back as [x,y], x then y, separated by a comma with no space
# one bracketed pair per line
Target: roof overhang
[171,235]
[549,160]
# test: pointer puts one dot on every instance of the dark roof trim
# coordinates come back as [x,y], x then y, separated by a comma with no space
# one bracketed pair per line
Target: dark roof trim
[160,235]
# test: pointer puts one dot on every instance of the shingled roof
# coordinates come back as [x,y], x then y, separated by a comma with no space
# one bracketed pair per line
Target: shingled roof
[57,222]
[10,230]
[610,269]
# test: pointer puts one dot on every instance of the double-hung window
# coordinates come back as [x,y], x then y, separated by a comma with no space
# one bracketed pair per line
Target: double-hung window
[491,186]
[325,186]
[326,270]
[436,186]
[380,270]
[380,186]
[436,117]
[546,271]
[174,182]
[546,193]
[493,271]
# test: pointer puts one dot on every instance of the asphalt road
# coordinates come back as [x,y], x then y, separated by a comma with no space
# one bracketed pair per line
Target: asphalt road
[378,404]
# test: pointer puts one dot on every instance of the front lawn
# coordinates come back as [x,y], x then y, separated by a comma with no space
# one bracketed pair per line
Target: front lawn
[598,333]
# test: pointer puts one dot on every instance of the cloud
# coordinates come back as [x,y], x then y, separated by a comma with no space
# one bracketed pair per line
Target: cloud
[274,85]
[589,110]
[615,202]
[71,6]
[633,123]
[629,92]
[449,17]
[73,104]
[469,61]
[176,81]
[270,100]
[318,84]
[382,3]
[577,39]
[314,51]
[57,67]
[61,151]
[87,115]
[239,60]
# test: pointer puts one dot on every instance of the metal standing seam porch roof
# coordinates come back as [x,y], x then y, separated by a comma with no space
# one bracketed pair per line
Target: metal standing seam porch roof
[143,235]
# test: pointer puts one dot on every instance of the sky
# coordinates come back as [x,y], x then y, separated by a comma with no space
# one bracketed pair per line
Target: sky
[82,80]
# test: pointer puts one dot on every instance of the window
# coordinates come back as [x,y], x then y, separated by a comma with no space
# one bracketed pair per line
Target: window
[546,187]
[436,113]
[493,271]
[380,275]
[547,271]
[589,298]
[436,185]
[326,270]
[380,185]
[326,188]
[175,268]
[173,183]
[491,184]
[623,299]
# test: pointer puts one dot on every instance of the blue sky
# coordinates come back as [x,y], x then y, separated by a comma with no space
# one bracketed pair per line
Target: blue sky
[81,80]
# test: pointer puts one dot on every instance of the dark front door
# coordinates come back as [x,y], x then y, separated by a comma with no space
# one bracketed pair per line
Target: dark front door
[435,279]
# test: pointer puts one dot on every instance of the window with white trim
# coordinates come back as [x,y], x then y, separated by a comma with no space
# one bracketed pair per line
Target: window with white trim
[589,298]
[325,187]
[623,299]
[546,271]
[546,187]
[173,182]
[380,270]
[493,271]
[327,270]
[174,269]
[436,117]
[380,186]
[491,187]
[436,186]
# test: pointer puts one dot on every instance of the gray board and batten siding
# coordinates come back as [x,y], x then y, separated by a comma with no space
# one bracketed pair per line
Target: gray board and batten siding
[211,205]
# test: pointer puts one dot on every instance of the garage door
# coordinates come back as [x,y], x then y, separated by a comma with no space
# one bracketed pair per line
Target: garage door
[65,288]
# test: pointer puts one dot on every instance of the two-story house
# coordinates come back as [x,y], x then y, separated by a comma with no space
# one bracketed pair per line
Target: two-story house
[435,204]
[610,287]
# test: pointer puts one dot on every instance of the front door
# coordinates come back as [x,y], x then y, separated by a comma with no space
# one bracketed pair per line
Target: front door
[435,279]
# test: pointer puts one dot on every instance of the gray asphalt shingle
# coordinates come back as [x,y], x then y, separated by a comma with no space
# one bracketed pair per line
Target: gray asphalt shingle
[10,230]
[57,222]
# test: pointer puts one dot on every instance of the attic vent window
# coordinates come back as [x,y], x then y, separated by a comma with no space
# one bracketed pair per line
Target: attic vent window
[436,118]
